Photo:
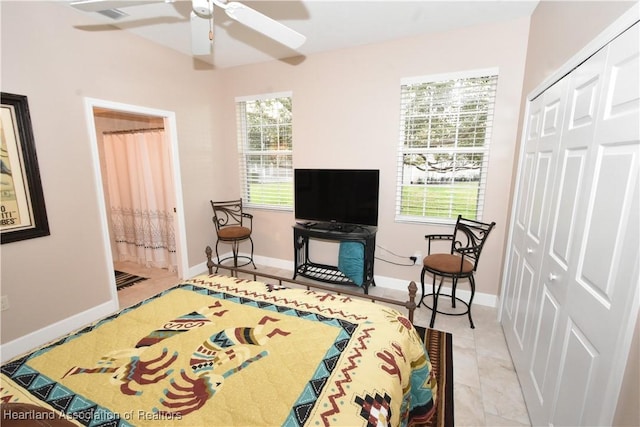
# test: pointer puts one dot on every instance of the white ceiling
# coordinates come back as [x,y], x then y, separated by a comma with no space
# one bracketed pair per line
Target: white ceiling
[328,25]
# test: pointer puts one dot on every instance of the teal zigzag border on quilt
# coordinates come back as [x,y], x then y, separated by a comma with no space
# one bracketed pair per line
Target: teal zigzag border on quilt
[60,397]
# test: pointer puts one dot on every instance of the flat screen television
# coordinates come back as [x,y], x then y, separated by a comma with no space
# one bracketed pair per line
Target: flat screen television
[342,196]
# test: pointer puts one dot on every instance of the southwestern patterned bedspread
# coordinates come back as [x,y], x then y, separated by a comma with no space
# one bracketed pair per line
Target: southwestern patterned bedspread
[217,350]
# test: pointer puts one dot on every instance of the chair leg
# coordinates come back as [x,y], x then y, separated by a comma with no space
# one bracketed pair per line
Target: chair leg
[424,270]
[454,284]
[472,283]
[234,249]
[217,254]
[254,264]
[436,294]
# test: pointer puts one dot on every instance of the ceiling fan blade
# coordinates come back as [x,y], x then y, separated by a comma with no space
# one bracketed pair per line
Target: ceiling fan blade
[98,5]
[201,44]
[263,24]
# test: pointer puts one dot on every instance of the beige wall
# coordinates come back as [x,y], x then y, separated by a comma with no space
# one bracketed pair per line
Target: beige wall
[559,29]
[346,115]
[56,66]
[575,24]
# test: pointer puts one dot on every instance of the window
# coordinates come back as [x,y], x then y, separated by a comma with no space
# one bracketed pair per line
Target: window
[265,149]
[445,129]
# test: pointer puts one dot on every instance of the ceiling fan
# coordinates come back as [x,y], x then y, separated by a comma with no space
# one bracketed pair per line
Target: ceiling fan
[202,20]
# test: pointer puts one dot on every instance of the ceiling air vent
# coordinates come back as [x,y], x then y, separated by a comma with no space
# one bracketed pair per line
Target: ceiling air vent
[114,14]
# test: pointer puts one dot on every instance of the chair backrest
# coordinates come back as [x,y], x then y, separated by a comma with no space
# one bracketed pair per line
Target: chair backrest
[227,213]
[469,238]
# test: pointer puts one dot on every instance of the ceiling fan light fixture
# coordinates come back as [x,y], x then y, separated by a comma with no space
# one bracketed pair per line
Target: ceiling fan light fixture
[202,8]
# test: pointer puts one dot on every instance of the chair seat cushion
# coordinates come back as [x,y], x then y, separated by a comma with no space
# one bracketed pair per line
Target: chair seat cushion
[447,263]
[234,232]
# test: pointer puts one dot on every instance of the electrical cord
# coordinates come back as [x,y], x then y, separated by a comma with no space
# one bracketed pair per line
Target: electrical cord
[412,258]
[395,263]
[392,253]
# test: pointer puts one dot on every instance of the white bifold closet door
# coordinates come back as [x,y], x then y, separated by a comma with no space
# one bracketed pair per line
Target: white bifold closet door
[570,294]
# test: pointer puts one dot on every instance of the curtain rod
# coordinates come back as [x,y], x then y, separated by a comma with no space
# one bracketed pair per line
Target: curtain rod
[115,132]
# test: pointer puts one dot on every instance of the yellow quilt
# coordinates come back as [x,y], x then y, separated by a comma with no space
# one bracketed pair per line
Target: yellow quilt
[221,351]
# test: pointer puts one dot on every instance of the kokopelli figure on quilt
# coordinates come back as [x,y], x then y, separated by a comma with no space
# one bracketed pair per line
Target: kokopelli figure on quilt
[224,353]
[128,366]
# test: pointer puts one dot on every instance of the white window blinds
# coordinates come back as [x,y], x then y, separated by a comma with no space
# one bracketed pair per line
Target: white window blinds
[445,129]
[265,148]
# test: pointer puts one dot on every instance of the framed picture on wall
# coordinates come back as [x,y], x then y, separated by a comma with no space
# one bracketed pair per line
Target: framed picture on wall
[22,210]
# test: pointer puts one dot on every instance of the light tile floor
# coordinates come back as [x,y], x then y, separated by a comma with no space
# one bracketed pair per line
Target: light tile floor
[486,388]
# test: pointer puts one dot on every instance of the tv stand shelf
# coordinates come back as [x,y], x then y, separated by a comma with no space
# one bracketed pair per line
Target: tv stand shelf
[366,235]
[323,273]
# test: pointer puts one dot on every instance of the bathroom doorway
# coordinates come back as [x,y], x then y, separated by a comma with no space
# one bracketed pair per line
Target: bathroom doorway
[114,119]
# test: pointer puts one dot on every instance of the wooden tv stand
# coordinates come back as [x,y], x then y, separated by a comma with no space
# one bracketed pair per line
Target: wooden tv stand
[303,266]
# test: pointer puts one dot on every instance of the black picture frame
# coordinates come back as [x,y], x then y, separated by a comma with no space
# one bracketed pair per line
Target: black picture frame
[23,214]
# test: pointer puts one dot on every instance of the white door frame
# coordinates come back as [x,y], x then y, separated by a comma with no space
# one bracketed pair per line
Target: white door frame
[171,132]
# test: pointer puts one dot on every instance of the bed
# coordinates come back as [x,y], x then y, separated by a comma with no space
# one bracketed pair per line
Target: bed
[234,349]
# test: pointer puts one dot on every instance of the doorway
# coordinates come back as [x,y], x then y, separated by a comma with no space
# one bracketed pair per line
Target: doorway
[107,116]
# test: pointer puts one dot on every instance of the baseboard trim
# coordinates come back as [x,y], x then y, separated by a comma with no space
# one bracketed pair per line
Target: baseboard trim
[480,298]
[56,330]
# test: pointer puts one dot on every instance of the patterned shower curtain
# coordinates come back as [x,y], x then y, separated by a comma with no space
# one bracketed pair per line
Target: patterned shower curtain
[141,198]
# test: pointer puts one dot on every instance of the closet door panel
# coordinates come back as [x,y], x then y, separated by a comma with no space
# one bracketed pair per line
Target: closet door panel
[526,288]
[603,284]
[605,269]
[554,294]
[549,346]
[519,273]
[576,377]
[606,280]
[571,172]
[552,331]
[620,116]
[523,312]
[585,88]
[597,286]
[525,187]
[510,300]
[518,288]
[541,189]
[546,330]
[551,115]
[604,229]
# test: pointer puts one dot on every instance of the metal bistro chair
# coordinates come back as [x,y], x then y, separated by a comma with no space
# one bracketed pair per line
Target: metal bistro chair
[461,262]
[232,226]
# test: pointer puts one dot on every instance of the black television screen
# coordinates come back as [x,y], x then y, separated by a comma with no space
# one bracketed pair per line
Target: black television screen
[344,196]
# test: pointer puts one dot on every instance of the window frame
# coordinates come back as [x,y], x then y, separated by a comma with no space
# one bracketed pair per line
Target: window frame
[244,152]
[453,150]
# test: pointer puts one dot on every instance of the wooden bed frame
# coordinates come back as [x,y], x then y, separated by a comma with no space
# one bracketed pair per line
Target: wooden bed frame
[410,305]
